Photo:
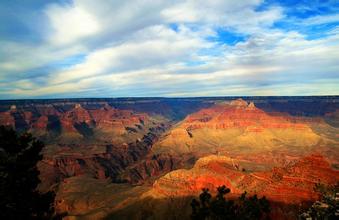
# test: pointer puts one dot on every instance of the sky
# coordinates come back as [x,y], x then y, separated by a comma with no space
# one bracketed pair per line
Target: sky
[168,48]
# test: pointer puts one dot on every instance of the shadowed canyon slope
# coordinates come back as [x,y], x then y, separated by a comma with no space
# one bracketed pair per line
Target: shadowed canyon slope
[99,141]
[128,158]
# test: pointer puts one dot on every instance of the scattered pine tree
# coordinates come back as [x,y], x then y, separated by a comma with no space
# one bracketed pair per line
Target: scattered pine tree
[19,178]
[219,207]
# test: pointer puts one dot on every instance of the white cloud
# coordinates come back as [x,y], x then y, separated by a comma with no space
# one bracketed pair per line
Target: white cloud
[240,16]
[141,48]
[155,46]
[20,58]
[322,19]
[70,23]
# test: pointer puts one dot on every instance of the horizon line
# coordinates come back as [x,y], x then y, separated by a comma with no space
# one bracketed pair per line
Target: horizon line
[167,97]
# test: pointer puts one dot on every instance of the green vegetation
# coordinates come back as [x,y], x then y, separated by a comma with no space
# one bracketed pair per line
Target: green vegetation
[19,178]
[327,208]
[218,207]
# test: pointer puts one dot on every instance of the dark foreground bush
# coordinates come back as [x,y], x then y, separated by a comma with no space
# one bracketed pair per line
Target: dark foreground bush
[218,207]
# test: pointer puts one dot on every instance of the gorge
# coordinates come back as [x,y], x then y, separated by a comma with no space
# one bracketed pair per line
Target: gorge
[133,157]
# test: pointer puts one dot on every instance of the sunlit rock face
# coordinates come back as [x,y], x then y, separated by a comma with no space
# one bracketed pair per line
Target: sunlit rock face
[237,124]
[292,183]
[286,187]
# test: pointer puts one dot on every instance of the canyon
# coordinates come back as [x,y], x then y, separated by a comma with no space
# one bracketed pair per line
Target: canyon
[133,158]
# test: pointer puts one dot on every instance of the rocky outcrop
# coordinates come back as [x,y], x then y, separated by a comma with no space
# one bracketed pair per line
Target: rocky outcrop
[91,144]
[76,116]
[36,120]
[239,103]
[76,122]
[236,124]
[239,114]
[100,142]
[291,184]
[149,167]
[100,161]
[74,134]
[286,187]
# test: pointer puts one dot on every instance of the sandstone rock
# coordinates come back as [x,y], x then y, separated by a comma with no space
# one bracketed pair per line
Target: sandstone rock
[237,124]
[294,185]
[13,108]
[251,105]
[239,103]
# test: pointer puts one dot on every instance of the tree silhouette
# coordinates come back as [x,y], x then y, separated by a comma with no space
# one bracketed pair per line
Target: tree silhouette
[220,208]
[19,198]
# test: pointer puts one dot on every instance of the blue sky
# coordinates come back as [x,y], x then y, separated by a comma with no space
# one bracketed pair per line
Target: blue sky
[171,48]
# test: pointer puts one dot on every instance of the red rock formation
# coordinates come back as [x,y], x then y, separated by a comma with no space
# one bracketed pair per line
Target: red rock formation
[238,114]
[99,142]
[108,117]
[76,115]
[256,140]
[47,110]
[101,161]
[291,184]
[34,120]
[40,124]
[236,124]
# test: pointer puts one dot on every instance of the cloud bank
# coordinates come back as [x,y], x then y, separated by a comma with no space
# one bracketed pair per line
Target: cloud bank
[114,48]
